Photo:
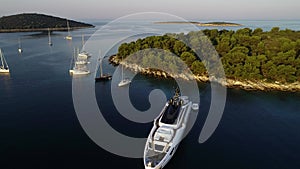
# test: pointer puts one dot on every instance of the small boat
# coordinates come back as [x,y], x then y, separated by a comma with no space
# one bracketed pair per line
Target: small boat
[79,71]
[68,37]
[49,38]
[195,106]
[81,59]
[79,66]
[102,77]
[167,132]
[4,66]
[82,62]
[83,54]
[20,50]
[124,81]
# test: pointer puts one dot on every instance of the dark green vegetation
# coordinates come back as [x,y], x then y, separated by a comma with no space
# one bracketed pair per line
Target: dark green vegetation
[246,54]
[36,22]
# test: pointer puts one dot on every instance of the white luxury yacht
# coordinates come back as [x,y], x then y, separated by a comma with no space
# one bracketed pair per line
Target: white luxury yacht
[167,132]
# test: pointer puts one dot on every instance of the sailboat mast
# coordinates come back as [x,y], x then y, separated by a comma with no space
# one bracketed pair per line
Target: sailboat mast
[49,37]
[1,58]
[68,28]
[122,69]
[101,71]
[100,64]
[82,40]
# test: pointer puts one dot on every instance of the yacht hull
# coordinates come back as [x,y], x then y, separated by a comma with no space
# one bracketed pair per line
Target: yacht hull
[4,70]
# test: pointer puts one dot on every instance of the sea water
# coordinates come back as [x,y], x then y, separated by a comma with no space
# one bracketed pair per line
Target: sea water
[39,127]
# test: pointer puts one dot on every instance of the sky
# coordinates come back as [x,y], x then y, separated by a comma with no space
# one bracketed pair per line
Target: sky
[188,9]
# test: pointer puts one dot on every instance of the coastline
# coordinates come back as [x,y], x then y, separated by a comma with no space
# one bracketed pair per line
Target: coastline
[230,83]
[42,29]
[209,24]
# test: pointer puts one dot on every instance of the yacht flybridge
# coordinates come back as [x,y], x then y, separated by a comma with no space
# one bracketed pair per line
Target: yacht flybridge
[167,132]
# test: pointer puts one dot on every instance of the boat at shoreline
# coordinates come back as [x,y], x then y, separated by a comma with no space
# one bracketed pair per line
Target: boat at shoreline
[4,66]
[102,77]
[124,81]
[167,132]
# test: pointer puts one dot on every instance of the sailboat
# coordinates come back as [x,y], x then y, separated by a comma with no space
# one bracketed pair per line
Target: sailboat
[102,77]
[49,38]
[20,50]
[4,66]
[124,81]
[68,37]
[78,68]
[83,54]
[81,60]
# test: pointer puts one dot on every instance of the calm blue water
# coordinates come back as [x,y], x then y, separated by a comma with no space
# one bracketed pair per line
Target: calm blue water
[39,127]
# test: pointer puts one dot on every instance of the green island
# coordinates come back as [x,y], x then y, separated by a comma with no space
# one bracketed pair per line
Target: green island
[208,24]
[33,22]
[252,59]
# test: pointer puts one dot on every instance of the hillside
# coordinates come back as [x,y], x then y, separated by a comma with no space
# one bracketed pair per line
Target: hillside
[29,22]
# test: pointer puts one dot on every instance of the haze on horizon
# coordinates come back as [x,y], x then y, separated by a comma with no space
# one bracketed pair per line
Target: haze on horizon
[188,9]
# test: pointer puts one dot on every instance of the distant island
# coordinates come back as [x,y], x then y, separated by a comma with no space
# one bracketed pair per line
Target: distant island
[214,24]
[33,22]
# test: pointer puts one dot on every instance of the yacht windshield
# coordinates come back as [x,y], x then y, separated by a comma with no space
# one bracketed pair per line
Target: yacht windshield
[171,114]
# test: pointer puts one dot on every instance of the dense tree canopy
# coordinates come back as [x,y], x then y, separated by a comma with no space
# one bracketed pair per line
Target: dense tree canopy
[246,54]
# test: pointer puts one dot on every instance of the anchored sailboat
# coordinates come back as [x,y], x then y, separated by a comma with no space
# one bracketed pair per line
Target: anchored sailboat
[124,81]
[102,77]
[20,50]
[49,38]
[83,54]
[78,67]
[4,66]
[68,37]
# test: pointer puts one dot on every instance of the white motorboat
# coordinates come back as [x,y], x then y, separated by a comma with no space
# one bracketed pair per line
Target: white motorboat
[167,132]
[4,66]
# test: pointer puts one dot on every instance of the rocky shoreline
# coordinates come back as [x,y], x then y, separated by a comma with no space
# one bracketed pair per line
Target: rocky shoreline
[208,24]
[41,29]
[230,83]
